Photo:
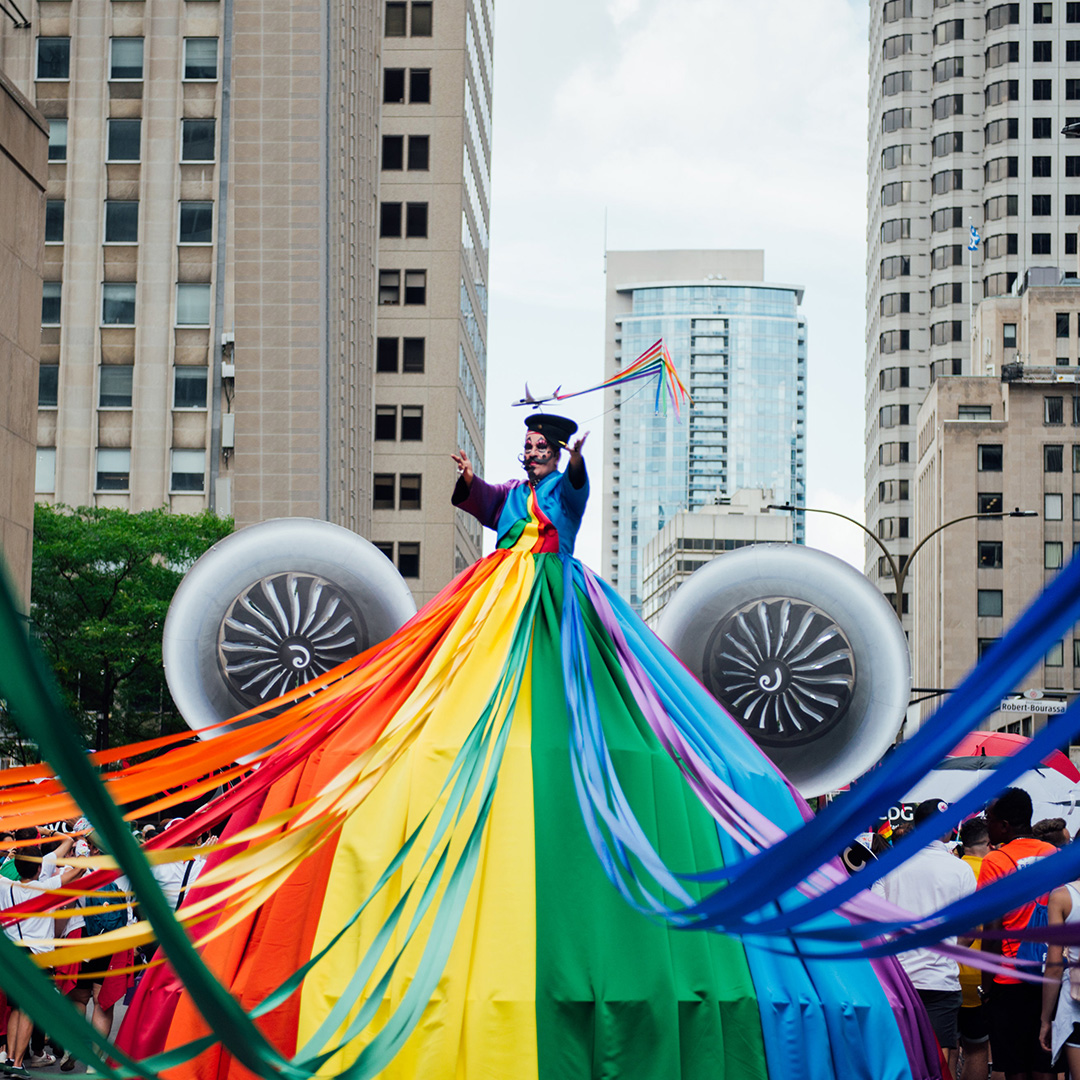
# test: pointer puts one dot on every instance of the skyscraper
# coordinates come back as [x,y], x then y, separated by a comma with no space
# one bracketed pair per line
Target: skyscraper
[966,103]
[218,254]
[739,345]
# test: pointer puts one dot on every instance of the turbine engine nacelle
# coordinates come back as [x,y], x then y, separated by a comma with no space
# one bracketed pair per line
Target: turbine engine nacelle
[272,607]
[803,651]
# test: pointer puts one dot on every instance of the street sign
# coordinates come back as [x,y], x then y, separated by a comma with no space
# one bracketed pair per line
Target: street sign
[1027,705]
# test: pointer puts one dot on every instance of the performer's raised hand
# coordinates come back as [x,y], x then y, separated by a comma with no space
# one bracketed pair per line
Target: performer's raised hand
[575,450]
[465,469]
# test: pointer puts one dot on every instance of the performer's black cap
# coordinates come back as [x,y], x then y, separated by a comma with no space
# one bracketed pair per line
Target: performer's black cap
[556,429]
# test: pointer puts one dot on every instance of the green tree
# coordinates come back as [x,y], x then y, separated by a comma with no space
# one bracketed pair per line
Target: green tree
[102,583]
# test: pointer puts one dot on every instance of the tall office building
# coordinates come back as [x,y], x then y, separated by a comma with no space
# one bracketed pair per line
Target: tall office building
[214,268]
[739,345]
[967,100]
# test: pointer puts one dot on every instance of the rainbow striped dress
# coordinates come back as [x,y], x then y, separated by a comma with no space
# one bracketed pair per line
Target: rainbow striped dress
[511,831]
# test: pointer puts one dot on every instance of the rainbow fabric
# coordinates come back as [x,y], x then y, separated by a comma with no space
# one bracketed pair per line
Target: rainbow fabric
[654,362]
[517,839]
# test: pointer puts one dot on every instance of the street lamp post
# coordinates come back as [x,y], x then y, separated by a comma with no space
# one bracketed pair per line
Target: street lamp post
[900,571]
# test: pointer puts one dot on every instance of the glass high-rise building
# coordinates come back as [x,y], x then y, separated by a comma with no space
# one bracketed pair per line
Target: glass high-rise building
[739,345]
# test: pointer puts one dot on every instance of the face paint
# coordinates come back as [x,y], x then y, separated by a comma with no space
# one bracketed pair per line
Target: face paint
[539,458]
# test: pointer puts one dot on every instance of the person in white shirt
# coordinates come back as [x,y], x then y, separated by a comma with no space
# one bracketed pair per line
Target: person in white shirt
[33,933]
[927,882]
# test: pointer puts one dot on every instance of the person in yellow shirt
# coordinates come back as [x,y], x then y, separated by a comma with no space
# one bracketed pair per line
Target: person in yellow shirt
[974,1024]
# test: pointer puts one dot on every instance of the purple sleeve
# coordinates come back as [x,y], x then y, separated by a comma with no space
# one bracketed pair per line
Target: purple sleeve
[481,499]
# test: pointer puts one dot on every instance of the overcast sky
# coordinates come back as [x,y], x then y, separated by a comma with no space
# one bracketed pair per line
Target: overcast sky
[695,124]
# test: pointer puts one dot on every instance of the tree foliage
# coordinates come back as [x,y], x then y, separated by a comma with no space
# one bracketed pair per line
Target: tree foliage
[102,583]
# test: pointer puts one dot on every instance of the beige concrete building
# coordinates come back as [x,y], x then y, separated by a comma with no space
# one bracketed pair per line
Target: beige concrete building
[693,538]
[23,169]
[996,442]
[214,268]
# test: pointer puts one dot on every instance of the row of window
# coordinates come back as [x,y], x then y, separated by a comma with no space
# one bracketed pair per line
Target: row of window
[112,470]
[195,222]
[410,350]
[118,303]
[126,59]
[123,140]
[408,556]
[1008,127]
[386,423]
[407,20]
[395,157]
[416,80]
[115,386]
[390,286]
[406,488]
[990,555]
[990,457]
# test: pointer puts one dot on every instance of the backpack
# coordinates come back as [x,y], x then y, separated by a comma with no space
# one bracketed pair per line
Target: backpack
[106,920]
[1039,917]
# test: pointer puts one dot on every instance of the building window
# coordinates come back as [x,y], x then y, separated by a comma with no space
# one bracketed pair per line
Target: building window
[409,491]
[196,223]
[118,303]
[950,30]
[53,58]
[990,457]
[197,139]
[1072,51]
[986,644]
[1072,205]
[50,303]
[393,152]
[54,221]
[895,266]
[189,387]
[1008,335]
[1042,52]
[990,555]
[121,222]
[947,180]
[389,286]
[990,605]
[412,423]
[200,59]
[1041,166]
[895,303]
[1001,168]
[1072,12]
[949,105]
[386,422]
[1040,243]
[1076,459]
[58,140]
[415,286]
[386,354]
[973,412]
[951,217]
[1000,130]
[947,255]
[192,303]
[113,469]
[114,387]
[126,59]
[1000,206]
[990,502]
[1002,244]
[412,359]
[1056,656]
[1053,410]
[394,18]
[383,491]
[1076,507]
[950,143]
[950,68]
[419,153]
[416,219]
[124,140]
[892,378]
[1040,205]
[1008,52]
[45,471]
[390,219]
[393,86]
[48,385]
[188,471]
[897,192]
[999,92]
[894,341]
[1052,554]
[1072,86]
[408,559]
[1052,458]
[1042,13]
[1041,127]
[419,86]
[898,9]
[1041,90]
[385,548]
[895,119]
[420,25]
[1002,15]
[894,156]
[951,292]
[941,333]
[1053,507]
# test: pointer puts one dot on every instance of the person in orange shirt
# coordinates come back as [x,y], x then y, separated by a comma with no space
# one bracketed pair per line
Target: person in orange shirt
[1015,1006]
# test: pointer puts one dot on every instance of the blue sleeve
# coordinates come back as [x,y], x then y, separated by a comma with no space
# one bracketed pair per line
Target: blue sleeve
[574,491]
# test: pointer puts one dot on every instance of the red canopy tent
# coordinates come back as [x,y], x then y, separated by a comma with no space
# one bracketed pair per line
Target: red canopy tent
[1003,744]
